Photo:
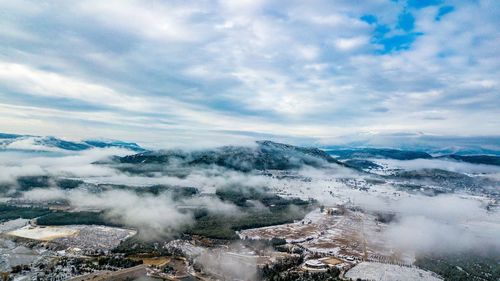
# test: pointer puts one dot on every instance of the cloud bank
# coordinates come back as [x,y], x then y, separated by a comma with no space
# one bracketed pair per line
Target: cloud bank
[217,71]
[444,223]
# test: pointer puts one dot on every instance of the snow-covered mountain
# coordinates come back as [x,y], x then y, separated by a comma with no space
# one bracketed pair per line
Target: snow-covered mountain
[53,144]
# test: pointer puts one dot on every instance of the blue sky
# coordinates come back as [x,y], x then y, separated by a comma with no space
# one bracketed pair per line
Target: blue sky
[205,72]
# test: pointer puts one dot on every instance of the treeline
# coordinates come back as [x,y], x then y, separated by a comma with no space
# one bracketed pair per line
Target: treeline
[330,275]
[273,210]
[221,226]
[68,218]
[463,266]
[26,183]
[176,192]
[243,197]
[119,262]
[136,246]
[10,212]
[284,271]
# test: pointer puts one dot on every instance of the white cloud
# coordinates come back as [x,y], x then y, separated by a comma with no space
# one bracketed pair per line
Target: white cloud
[30,144]
[303,70]
[347,44]
[453,166]
[155,20]
[9,174]
[36,82]
[308,52]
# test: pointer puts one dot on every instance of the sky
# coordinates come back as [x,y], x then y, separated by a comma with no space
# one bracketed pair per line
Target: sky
[201,72]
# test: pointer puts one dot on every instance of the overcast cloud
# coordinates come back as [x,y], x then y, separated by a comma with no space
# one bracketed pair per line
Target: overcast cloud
[218,71]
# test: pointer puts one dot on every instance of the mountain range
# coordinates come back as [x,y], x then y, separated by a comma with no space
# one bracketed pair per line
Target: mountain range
[48,143]
[265,155]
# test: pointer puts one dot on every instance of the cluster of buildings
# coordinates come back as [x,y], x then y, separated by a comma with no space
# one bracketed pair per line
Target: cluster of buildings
[31,252]
[323,264]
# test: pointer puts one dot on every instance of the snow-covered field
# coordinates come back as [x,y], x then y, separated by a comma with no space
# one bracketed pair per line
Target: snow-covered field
[389,272]
[346,233]
[82,237]
[43,233]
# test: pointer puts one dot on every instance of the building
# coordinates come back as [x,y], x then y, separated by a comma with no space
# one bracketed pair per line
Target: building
[315,265]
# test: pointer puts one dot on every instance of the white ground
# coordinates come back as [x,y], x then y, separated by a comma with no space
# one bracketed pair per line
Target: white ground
[43,233]
[83,237]
[388,272]
[352,234]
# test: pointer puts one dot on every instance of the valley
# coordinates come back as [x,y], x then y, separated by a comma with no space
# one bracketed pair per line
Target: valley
[269,212]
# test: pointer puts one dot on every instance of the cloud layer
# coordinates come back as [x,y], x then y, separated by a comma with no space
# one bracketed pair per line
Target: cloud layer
[221,71]
[444,223]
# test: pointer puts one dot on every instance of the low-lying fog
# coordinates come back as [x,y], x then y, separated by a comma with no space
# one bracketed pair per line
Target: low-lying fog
[448,165]
[443,223]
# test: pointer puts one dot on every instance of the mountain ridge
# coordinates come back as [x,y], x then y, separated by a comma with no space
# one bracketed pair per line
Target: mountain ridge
[50,143]
[266,155]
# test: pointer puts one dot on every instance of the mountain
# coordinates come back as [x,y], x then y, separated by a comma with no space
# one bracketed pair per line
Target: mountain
[432,144]
[351,154]
[38,143]
[266,155]
[114,143]
[362,153]
[59,143]
[475,159]
[362,164]
[8,136]
[446,181]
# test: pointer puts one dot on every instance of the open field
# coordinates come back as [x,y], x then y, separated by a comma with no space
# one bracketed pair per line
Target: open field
[77,237]
[349,233]
[156,261]
[331,261]
[389,272]
[123,274]
[43,233]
